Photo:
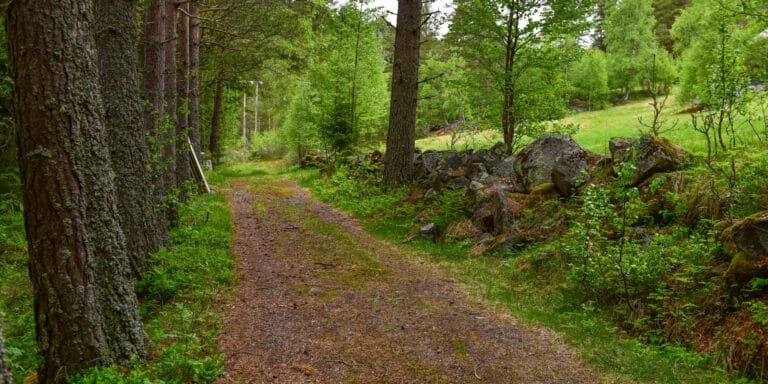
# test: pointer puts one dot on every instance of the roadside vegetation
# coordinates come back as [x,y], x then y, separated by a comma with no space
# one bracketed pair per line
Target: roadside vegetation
[181,298]
[543,283]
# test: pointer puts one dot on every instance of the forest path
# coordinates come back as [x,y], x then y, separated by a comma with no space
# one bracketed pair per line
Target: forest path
[322,301]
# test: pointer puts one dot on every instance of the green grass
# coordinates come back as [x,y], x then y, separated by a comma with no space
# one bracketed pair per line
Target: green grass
[181,300]
[597,127]
[180,297]
[530,284]
[16,290]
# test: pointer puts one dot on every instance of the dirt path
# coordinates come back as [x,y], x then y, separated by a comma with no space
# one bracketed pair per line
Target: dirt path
[321,301]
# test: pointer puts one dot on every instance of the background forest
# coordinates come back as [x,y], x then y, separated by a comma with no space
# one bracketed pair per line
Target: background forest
[308,83]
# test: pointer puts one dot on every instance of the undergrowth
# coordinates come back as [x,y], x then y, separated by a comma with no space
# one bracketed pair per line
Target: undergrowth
[180,298]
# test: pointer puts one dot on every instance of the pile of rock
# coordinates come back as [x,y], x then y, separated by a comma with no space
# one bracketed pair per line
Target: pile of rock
[539,178]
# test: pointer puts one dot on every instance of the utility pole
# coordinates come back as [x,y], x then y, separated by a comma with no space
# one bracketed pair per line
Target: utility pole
[245,126]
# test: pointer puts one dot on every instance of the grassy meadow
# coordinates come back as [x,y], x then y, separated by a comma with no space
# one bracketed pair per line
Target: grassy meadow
[597,127]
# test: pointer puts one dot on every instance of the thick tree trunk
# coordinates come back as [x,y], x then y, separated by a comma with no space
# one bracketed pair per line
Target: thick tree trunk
[154,69]
[218,99]
[398,160]
[5,370]
[129,151]
[86,312]
[194,75]
[183,163]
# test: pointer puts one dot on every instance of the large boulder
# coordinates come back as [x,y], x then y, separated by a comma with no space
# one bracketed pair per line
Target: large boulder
[572,169]
[746,242]
[535,163]
[505,168]
[657,154]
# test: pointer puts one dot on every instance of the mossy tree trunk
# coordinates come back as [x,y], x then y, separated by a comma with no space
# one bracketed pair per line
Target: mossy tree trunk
[129,151]
[154,107]
[86,312]
[401,136]
[183,163]
[168,134]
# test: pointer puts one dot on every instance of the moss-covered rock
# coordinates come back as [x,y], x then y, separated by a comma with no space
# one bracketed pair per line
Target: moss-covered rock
[746,242]
[573,169]
[656,154]
[535,163]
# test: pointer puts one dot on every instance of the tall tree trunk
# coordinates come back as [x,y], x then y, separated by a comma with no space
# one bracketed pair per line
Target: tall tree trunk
[154,66]
[5,370]
[183,163]
[168,137]
[194,75]
[218,100]
[86,312]
[129,151]
[154,110]
[398,160]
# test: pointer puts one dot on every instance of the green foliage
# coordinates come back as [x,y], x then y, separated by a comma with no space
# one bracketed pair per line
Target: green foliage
[16,290]
[445,98]
[589,77]
[518,50]
[632,47]
[268,145]
[180,299]
[666,12]
[361,192]
[342,101]
[450,206]
[712,41]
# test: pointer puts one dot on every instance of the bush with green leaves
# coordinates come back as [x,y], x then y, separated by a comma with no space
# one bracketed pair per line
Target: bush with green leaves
[651,278]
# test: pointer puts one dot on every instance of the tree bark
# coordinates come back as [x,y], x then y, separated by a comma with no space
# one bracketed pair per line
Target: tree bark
[398,160]
[183,163]
[154,90]
[195,39]
[5,370]
[86,312]
[168,138]
[129,151]
[218,99]
[154,66]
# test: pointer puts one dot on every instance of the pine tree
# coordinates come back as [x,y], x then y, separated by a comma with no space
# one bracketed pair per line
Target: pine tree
[86,311]
[129,151]
[398,160]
